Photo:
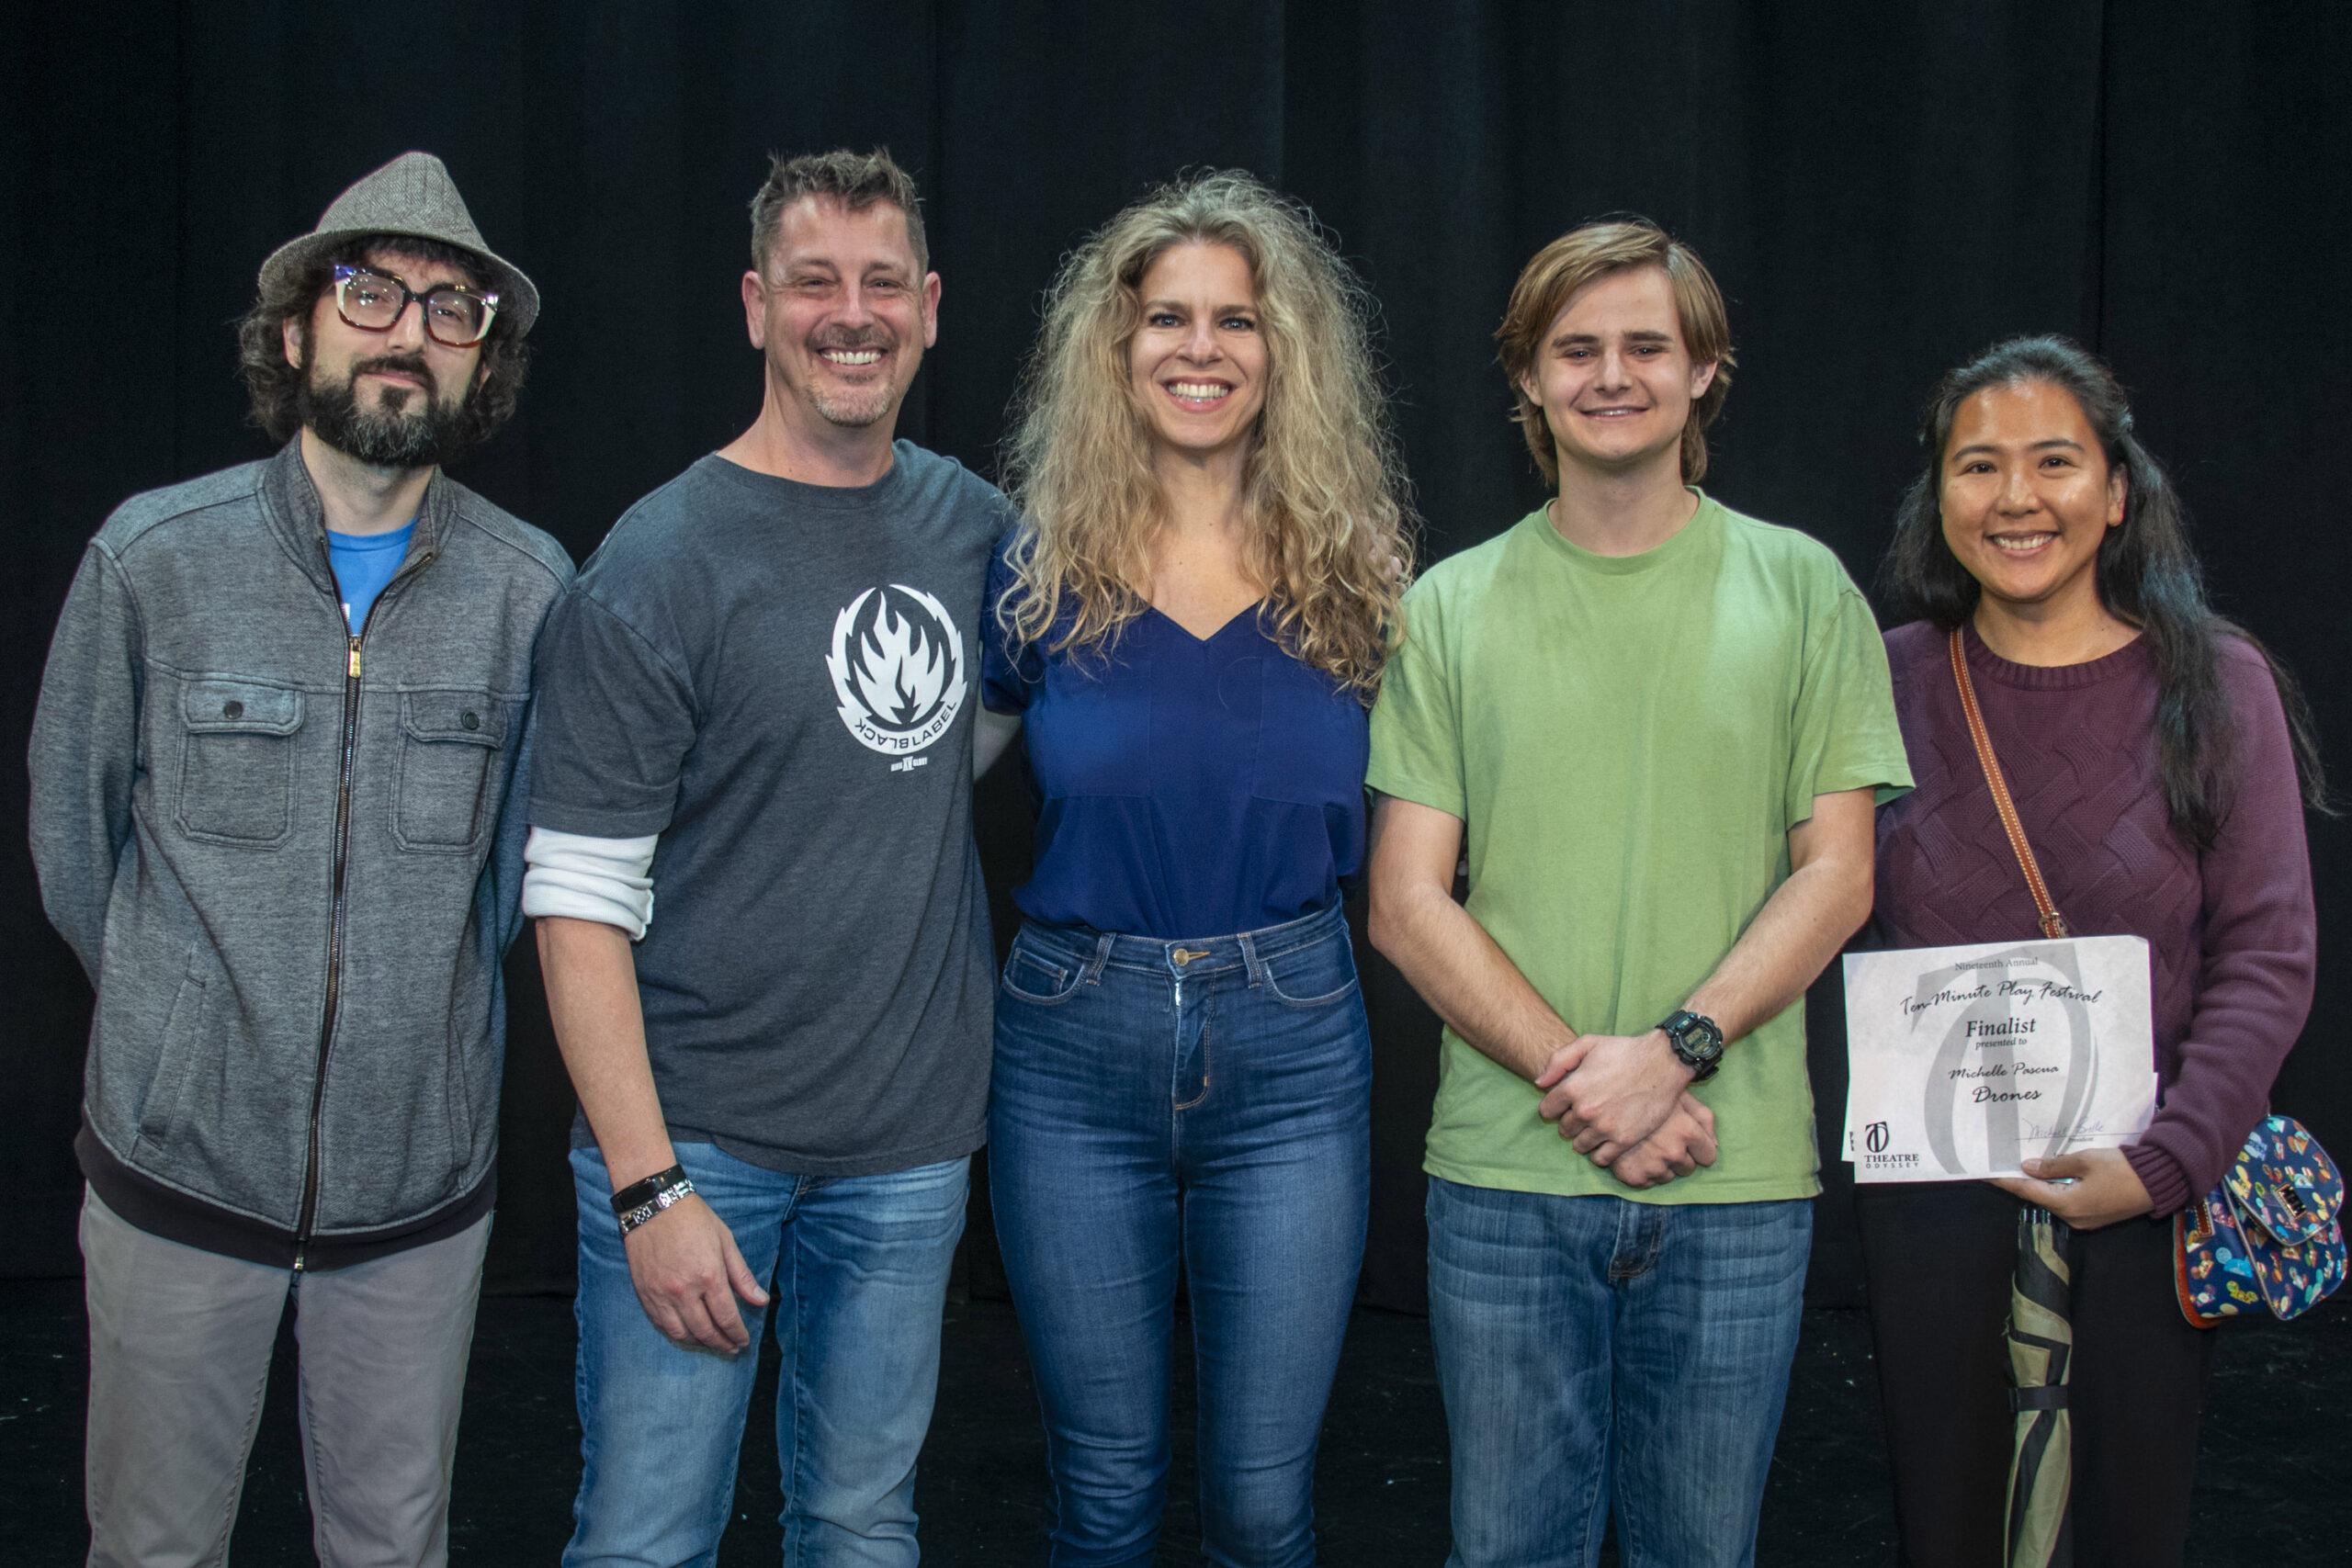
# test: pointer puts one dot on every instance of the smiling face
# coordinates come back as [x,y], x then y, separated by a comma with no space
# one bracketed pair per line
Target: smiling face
[842,315]
[2026,494]
[1614,377]
[392,399]
[1197,365]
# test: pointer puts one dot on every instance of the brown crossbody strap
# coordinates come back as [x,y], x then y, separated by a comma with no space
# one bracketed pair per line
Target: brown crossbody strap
[2054,924]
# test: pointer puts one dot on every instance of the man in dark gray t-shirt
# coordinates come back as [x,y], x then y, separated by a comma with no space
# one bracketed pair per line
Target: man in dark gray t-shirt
[761,700]
[768,675]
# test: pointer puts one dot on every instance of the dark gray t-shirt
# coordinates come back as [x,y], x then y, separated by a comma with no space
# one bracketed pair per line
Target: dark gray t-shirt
[781,681]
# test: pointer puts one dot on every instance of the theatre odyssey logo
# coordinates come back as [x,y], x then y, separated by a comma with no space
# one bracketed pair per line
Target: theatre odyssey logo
[1874,1152]
[898,669]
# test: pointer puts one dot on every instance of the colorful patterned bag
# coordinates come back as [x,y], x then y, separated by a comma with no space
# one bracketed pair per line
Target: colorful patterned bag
[2270,1235]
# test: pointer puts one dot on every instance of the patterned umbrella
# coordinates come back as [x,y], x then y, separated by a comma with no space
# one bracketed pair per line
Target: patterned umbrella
[2041,1343]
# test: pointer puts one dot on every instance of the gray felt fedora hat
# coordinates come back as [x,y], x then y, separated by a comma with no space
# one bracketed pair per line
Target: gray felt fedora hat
[411,195]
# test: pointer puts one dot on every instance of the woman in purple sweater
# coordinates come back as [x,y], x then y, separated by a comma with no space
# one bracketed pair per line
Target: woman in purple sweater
[2160,763]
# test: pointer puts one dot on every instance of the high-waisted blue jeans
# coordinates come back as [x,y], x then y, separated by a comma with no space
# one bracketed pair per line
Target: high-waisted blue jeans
[1202,1101]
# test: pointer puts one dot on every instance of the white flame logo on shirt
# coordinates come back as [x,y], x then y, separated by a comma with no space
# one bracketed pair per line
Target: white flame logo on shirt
[897,669]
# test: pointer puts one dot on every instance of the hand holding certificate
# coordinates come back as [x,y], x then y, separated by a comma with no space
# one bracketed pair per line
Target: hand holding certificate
[1967,1061]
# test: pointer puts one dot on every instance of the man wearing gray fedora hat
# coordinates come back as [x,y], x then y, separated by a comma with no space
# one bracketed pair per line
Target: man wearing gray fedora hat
[277,776]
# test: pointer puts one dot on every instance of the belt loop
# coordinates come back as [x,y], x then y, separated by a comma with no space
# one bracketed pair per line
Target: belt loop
[1094,970]
[1250,956]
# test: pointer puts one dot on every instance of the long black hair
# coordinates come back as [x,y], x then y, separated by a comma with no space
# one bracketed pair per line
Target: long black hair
[2146,574]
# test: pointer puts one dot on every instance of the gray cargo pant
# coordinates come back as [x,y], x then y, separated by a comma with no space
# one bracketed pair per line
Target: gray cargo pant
[180,1342]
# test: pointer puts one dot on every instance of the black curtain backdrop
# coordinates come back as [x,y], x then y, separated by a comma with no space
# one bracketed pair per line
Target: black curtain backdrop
[1881,189]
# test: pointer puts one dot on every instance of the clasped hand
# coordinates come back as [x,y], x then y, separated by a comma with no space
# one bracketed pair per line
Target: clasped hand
[1624,1102]
[687,1272]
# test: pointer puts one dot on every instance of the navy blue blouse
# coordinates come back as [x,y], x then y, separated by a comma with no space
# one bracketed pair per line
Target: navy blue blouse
[1185,786]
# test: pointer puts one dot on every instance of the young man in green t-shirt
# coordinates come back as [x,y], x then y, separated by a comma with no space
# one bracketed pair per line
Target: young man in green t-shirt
[1657,727]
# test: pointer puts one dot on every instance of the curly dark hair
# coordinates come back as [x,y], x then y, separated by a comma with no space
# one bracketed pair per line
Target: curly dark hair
[276,385]
[2146,572]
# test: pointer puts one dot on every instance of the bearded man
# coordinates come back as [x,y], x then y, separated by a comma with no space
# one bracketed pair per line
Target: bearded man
[277,776]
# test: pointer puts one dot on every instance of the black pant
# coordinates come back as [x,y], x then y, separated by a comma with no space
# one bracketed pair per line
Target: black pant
[1939,1257]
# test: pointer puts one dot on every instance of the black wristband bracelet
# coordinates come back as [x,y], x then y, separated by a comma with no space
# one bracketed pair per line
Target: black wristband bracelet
[636,1194]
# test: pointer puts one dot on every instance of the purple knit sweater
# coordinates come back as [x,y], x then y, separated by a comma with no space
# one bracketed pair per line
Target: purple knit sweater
[2232,935]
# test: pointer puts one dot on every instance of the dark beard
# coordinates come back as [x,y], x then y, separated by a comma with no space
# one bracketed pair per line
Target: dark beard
[423,434]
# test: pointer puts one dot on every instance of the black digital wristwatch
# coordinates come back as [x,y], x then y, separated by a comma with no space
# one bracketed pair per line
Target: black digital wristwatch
[1697,1042]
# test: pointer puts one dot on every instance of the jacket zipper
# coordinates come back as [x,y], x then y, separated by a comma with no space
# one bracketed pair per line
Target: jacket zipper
[310,1210]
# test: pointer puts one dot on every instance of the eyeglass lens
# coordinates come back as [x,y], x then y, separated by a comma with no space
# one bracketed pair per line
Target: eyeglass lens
[455,318]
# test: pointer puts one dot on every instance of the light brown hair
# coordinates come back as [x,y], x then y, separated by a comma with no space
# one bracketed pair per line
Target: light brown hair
[1583,256]
[1331,514]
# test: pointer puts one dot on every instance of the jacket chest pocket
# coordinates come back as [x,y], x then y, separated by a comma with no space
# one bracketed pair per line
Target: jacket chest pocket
[449,748]
[237,761]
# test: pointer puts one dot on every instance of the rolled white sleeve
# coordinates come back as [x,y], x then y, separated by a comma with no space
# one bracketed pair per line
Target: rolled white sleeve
[991,733]
[582,878]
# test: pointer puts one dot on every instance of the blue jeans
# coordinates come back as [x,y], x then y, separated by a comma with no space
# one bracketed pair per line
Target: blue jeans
[1597,1349]
[856,1271]
[1202,1101]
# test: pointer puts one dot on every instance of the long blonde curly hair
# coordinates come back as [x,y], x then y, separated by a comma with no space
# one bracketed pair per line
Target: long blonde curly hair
[1331,508]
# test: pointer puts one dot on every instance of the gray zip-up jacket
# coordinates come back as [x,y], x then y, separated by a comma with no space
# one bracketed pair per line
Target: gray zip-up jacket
[290,858]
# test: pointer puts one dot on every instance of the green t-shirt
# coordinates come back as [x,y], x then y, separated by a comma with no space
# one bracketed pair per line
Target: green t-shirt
[1629,741]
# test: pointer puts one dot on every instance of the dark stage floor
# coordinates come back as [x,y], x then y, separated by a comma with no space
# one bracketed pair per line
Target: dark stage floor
[2271,1489]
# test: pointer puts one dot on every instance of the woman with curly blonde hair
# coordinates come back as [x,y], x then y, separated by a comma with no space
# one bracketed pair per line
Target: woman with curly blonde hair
[1191,620]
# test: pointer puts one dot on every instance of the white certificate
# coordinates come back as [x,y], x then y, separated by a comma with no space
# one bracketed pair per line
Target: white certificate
[1969,1060]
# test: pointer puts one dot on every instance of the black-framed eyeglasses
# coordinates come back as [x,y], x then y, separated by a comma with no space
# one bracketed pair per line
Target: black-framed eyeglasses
[455,316]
